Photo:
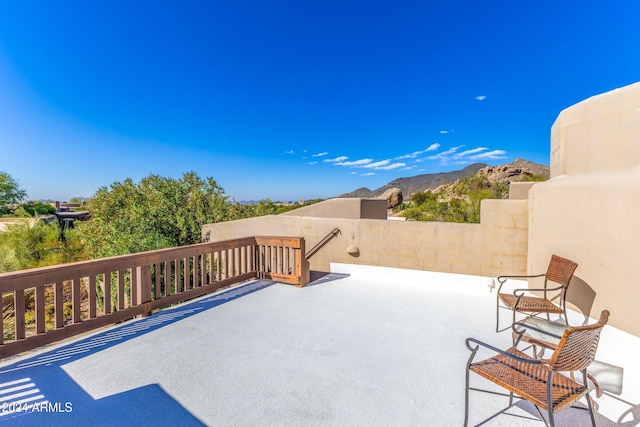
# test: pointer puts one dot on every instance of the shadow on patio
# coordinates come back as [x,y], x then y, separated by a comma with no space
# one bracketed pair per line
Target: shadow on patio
[363,346]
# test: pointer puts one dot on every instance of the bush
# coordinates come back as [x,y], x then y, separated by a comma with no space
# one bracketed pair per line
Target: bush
[38,208]
[460,202]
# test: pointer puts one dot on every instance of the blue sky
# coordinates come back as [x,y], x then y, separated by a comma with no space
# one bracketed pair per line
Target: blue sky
[290,99]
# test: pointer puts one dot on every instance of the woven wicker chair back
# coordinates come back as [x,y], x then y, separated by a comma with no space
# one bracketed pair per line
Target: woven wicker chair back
[577,348]
[561,270]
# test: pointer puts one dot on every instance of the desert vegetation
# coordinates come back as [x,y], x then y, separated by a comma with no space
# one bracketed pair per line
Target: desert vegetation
[457,202]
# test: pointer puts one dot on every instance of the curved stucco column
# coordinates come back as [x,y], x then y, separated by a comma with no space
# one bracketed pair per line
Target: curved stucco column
[589,211]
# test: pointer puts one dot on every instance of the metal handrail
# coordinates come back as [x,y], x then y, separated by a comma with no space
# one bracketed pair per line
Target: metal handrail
[333,233]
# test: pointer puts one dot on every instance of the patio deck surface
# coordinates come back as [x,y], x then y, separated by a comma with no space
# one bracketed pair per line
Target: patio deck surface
[361,346]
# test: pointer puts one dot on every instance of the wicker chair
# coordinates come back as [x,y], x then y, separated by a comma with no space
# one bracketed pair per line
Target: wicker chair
[539,380]
[560,271]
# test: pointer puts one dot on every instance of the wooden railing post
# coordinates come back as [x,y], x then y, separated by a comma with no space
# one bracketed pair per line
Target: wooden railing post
[302,265]
[143,286]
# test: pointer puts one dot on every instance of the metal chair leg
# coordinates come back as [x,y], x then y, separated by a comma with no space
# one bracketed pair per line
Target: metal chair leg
[591,414]
[466,399]
[549,399]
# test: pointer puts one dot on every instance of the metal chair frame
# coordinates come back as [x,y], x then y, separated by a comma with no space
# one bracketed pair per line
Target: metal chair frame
[516,371]
[560,270]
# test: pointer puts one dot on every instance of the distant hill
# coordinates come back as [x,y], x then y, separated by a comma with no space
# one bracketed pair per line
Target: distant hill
[516,171]
[418,183]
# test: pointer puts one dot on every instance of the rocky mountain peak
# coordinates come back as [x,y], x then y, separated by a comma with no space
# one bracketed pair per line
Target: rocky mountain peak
[518,170]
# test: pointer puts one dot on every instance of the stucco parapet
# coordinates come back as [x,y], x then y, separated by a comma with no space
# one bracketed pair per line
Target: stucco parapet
[619,180]
[499,221]
[509,264]
[470,243]
[512,207]
[411,263]
[488,270]
[476,258]
[520,190]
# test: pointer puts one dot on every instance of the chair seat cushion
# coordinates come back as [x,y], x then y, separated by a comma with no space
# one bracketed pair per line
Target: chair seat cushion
[529,381]
[530,304]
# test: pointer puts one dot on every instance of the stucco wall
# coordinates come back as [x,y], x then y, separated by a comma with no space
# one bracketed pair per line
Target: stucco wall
[599,134]
[590,210]
[496,246]
[520,190]
[353,208]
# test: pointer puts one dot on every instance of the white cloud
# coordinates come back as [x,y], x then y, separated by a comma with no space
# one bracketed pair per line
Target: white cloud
[411,155]
[490,155]
[481,97]
[469,152]
[368,174]
[360,162]
[336,160]
[324,153]
[408,168]
[445,154]
[444,132]
[377,165]
[415,154]
[391,166]
[456,157]
[289,152]
[313,163]
[370,164]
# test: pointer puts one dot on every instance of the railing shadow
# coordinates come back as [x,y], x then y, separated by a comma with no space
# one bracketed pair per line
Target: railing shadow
[37,390]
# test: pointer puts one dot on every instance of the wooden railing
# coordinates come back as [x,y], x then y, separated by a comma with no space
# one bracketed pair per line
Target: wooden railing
[57,302]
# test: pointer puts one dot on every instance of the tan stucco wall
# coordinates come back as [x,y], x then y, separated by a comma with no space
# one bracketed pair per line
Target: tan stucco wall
[520,190]
[590,210]
[599,134]
[496,246]
[353,208]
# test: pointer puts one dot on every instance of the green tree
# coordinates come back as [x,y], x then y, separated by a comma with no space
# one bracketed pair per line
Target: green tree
[155,213]
[80,200]
[266,207]
[10,190]
[38,208]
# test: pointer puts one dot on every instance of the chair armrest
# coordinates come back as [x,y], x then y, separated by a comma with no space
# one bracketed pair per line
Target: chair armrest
[503,279]
[479,344]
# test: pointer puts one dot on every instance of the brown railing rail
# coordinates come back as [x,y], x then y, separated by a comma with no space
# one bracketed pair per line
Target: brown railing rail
[57,302]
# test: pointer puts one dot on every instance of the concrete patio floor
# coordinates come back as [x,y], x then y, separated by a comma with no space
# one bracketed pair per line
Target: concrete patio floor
[361,346]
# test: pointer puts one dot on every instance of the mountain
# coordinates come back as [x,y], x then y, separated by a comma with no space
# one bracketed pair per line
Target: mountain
[511,172]
[418,183]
